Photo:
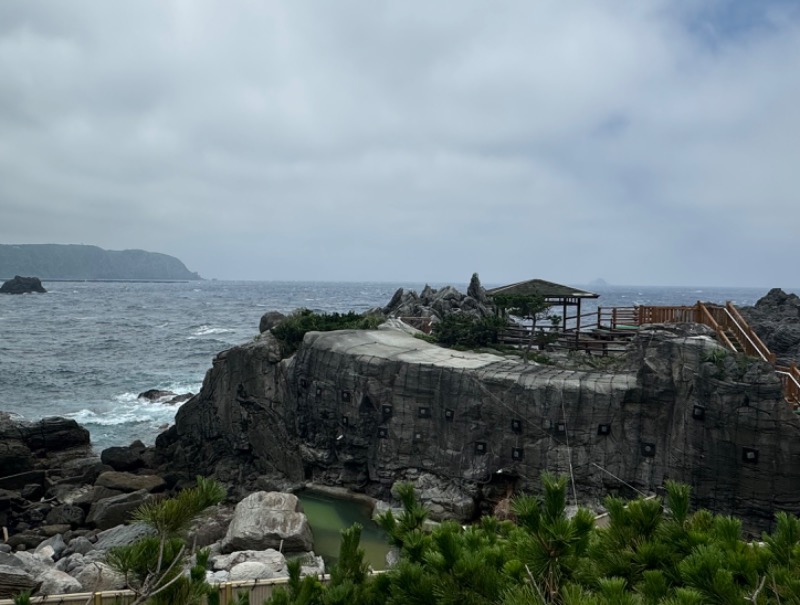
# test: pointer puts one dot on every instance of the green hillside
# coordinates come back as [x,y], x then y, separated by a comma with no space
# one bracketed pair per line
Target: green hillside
[73,261]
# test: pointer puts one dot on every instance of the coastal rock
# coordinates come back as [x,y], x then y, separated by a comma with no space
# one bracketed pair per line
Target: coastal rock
[128,482]
[270,558]
[269,320]
[98,576]
[165,397]
[109,512]
[66,514]
[124,458]
[55,434]
[14,580]
[122,535]
[776,319]
[266,520]
[363,409]
[22,285]
[444,499]
[435,304]
[54,581]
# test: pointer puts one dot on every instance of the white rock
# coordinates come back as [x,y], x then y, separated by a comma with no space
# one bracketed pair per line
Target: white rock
[57,582]
[250,570]
[268,520]
[99,576]
[270,557]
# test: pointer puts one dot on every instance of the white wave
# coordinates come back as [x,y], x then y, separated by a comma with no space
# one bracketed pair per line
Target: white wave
[127,411]
[205,330]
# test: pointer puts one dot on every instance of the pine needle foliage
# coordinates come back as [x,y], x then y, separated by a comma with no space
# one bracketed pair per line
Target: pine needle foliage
[155,567]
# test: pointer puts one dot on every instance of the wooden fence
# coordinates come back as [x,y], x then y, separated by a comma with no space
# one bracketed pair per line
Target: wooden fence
[258,590]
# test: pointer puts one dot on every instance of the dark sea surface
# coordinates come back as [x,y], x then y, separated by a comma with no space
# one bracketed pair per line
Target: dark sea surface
[86,349]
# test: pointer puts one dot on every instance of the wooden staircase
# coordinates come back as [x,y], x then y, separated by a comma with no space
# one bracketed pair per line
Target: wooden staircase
[736,334]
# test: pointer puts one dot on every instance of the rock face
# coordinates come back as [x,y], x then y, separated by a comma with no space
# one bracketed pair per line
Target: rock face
[363,409]
[22,285]
[776,320]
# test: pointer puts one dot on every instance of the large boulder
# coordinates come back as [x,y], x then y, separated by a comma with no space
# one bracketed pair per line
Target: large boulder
[266,520]
[109,512]
[128,482]
[776,319]
[54,434]
[14,580]
[22,285]
[125,458]
[122,535]
[54,581]
[98,576]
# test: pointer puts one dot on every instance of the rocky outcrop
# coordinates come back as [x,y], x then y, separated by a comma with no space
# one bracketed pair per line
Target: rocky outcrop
[434,304]
[364,409]
[776,319]
[268,520]
[22,285]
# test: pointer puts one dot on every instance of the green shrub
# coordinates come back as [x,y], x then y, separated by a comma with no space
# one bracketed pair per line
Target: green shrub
[459,330]
[290,331]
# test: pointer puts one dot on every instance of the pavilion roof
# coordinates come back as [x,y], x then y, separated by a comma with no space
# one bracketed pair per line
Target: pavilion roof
[543,288]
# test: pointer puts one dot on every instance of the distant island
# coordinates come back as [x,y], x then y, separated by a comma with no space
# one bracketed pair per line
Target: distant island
[81,262]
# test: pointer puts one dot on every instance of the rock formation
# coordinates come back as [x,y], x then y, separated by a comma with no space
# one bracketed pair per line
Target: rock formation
[364,409]
[776,319]
[22,285]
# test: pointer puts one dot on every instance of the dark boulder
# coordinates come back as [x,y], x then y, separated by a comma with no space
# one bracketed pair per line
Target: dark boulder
[22,285]
[776,320]
[165,397]
[54,434]
[269,320]
[125,458]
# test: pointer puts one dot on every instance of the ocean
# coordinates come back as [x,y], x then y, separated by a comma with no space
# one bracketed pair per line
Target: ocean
[85,350]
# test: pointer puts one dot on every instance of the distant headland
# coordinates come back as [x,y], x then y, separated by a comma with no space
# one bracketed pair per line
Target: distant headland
[82,262]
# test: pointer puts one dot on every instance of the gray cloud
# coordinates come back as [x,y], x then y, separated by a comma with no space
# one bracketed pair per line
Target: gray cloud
[650,143]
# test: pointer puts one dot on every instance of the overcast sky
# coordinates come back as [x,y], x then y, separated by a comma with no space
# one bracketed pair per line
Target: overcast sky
[644,142]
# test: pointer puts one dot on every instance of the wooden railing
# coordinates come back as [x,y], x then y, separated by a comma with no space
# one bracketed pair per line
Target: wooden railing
[790,378]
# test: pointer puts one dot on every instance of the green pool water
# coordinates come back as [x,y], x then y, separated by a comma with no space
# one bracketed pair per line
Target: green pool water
[329,515]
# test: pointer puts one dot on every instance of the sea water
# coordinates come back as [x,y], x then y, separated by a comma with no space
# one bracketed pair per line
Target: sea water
[85,350]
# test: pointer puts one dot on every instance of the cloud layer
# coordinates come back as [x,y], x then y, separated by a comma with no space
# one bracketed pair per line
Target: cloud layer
[648,143]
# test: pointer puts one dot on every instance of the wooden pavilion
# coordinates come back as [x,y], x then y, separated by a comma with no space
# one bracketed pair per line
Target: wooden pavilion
[554,295]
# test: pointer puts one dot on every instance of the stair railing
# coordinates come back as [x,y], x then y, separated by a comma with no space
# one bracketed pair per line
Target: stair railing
[790,377]
[752,343]
[707,317]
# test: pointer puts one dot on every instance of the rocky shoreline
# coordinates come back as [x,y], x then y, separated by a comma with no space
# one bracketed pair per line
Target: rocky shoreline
[63,508]
[356,412]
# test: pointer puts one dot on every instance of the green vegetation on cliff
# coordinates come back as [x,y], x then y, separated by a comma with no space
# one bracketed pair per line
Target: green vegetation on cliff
[73,261]
[291,330]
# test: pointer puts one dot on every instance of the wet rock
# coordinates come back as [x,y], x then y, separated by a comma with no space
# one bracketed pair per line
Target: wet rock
[22,285]
[55,434]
